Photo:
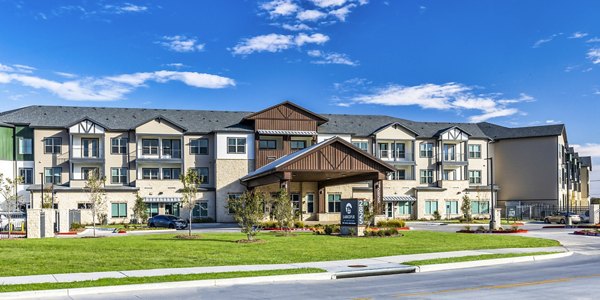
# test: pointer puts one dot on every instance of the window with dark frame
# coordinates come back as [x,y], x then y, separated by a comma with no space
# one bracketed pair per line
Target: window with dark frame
[334,202]
[25,146]
[236,145]
[426,176]
[171,173]
[475,151]
[297,145]
[233,196]
[203,174]
[171,148]
[199,146]
[310,203]
[118,210]
[118,175]
[426,150]
[267,144]
[86,172]
[52,145]
[27,175]
[150,173]
[150,146]
[118,145]
[90,147]
[53,175]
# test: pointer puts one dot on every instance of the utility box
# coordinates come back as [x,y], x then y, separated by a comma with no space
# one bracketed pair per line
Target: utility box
[352,219]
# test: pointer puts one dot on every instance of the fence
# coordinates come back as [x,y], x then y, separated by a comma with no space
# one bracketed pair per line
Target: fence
[537,211]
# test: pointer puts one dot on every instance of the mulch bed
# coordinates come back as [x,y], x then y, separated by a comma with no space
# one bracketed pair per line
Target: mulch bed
[188,237]
[586,233]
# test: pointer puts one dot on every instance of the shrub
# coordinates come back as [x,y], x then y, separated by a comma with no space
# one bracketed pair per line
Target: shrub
[268,224]
[436,215]
[330,229]
[299,224]
[381,233]
[203,220]
[75,226]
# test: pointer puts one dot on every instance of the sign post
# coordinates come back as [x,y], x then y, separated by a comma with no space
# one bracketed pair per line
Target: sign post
[352,217]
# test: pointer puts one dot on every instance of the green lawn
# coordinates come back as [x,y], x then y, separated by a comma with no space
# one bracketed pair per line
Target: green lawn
[470,258]
[153,279]
[51,256]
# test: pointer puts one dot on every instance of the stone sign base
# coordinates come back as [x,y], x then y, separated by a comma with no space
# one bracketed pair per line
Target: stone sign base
[353,230]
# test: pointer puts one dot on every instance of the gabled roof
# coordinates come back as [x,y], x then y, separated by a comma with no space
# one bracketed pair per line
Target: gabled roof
[6,125]
[320,118]
[290,158]
[86,118]
[586,161]
[450,128]
[395,124]
[160,117]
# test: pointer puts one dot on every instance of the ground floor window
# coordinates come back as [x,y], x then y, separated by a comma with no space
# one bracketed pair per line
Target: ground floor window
[404,208]
[431,206]
[480,207]
[389,209]
[200,209]
[295,198]
[152,209]
[452,207]
[172,209]
[333,202]
[310,203]
[118,210]
[233,196]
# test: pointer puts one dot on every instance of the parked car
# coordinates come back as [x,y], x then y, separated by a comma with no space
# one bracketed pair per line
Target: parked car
[17,222]
[585,217]
[561,218]
[169,221]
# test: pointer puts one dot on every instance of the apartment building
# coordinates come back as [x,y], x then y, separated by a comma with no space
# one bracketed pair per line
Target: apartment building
[408,169]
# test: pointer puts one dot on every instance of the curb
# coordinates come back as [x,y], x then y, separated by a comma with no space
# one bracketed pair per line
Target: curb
[489,262]
[164,285]
[373,272]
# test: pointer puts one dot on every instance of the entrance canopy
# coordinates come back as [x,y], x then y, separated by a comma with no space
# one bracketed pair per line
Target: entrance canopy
[330,162]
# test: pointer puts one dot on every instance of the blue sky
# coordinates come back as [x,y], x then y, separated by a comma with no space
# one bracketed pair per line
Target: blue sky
[515,63]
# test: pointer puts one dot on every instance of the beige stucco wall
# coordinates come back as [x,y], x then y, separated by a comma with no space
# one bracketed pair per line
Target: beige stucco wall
[526,169]
[395,133]
[43,160]
[157,126]
[201,160]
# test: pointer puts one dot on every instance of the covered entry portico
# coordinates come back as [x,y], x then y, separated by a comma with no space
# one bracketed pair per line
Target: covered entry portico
[333,162]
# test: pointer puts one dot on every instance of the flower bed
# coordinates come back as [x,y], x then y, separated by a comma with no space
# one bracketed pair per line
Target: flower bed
[398,228]
[494,231]
[587,232]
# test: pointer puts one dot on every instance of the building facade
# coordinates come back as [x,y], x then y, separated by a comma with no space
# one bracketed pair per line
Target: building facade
[411,170]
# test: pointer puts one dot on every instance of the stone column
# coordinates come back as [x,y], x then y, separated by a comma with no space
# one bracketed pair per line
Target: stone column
[49,222]
[63,225]
[33,223]
[594,213]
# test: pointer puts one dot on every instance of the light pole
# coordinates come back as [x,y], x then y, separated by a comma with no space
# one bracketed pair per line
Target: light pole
[493,206]
[568,214]
[41,190]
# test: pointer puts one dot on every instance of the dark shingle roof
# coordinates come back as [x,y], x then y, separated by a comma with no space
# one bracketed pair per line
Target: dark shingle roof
[205,121]
[586,161]
[498,132]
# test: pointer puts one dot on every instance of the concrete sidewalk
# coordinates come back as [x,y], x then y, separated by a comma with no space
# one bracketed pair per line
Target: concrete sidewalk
[379,263]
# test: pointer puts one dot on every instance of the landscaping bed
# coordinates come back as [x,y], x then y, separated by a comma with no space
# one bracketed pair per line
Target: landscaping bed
[595,232]
[494,231]
[130,252]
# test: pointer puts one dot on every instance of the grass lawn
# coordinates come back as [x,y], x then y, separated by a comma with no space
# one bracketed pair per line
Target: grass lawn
[51,256]
[153,279]
[470,258]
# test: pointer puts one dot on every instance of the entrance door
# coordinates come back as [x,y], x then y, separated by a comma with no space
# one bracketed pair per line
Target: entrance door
[172,209]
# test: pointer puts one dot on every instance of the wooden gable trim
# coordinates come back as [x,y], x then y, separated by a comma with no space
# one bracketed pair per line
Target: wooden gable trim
[311,115]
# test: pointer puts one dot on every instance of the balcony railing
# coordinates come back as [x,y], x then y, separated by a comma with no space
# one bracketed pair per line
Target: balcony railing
[395,155]
[454,157]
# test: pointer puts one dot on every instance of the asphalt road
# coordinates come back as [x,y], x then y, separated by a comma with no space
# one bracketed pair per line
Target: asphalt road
[574,277]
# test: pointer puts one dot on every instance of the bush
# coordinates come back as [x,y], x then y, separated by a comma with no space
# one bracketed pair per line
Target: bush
[298,224]
[394,223]
[202,220]
[330,229]
[436,215]
[75,226]
[268,224]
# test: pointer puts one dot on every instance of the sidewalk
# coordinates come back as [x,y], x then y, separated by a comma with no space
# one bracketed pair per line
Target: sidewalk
[388,262]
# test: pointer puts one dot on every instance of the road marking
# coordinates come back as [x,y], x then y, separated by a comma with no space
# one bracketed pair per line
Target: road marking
[501,286]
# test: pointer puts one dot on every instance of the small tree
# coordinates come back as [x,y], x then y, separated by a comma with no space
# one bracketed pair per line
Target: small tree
[189,193]
[283,210]
[140,209]
[95,190]
[369,214]
[47,199]
[248,212]
[8,190]
[465,208]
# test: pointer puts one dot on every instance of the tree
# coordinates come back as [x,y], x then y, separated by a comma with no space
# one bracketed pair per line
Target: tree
[189,193]
[8,190]
[94,187]
[140,209]
[248,212]
[47,199]
[282,210]
[465,208]
[369,214]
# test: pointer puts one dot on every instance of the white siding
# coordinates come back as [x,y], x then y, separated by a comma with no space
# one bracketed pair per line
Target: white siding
[221,146]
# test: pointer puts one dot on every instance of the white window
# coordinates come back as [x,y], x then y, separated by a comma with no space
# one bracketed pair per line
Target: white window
[236,145]
[426,150]
[474,151]
[199,146]
[118,145]
[118,175]
[150,146]
[431,206]
[452,207]
[474,177]
[364,146]
[25,146]
[426,176]
[52,145]
[27,175]
[150,173]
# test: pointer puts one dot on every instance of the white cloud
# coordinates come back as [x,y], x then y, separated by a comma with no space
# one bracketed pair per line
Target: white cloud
[5,68]
[593,40]
[326,58]
[540,42]
[589,149]
[594,55]
[296,27]
[280,8]
[114,87]
[181,43]
[578,35]
[328,3]
[125,8]
[24,68]
[176,65]
[343,12]
[276,42]
[552,122]
[448,96]
[315,38]
[310,15]
[66,75]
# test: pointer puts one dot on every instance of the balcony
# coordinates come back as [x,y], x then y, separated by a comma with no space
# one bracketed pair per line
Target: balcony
[167,155]
[454,158]
[401,157]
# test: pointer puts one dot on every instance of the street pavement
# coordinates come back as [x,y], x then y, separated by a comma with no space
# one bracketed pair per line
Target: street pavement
[574,277]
